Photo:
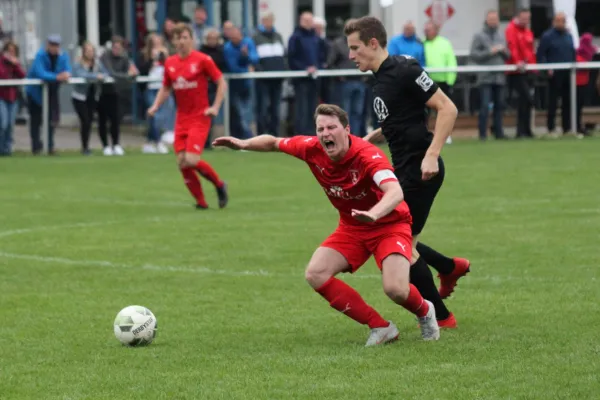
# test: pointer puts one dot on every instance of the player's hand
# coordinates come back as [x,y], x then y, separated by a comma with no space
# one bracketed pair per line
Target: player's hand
[364,216]
[229,142]
[212,111]
[429,167]
[151,111]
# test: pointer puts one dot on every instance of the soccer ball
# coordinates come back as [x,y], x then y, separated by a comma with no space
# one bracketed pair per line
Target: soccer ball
[135,326]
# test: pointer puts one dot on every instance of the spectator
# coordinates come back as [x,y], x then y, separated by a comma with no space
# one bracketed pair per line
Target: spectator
[489,48]
[439,54]
[228,27]
[168,26]
[407,44]
[324,83]
[305,54]
[519,39]
[240,54]
[10,68]
[152,62]
[122,70]
[199,24]
[585,53]
[85,96]
[556,46]
[214,49]
[52,66]
[271,53]
[351,90]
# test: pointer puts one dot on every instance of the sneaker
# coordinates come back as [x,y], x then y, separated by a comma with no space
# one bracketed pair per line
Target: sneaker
[118,150]
[449,281]
[429,325]
[448,323]
[108,151]
[149,148]
[162,148]
[383,335]
[223,195]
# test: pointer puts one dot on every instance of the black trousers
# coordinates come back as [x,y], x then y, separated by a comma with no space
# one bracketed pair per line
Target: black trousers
[559,87]
[109,111]
[85,111]
[520,84]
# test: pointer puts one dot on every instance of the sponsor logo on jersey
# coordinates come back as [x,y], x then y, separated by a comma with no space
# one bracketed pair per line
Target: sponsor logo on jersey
[182,84]
[338,192]
[380,108]
[424,81]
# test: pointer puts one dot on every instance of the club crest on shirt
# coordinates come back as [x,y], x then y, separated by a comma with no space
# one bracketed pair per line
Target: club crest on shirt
[424,81]
[193,68]
[354,175]
[380,109]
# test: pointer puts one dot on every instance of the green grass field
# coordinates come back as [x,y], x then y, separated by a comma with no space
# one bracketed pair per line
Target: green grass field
[81,238]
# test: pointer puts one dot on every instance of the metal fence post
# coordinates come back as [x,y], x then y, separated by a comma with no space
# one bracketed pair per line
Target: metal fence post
[45,116]
[573,88]
[226,114]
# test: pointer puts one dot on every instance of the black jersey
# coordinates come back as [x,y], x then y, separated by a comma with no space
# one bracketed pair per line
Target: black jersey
[400,92]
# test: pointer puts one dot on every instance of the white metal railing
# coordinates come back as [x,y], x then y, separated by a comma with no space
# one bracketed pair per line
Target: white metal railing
[572,67]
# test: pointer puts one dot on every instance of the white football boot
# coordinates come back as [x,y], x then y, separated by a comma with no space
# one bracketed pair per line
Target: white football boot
[383,335]
[428,324]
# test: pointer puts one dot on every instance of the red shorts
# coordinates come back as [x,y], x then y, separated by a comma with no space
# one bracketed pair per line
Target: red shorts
[190,137]
[358,244]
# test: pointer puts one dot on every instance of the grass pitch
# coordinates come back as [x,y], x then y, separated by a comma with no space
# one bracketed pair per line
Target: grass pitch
[81,238]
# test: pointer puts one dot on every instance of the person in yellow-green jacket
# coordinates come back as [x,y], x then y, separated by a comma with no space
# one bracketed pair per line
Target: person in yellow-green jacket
[439,54]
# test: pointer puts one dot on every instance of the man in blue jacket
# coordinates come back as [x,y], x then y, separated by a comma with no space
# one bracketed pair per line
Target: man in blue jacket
[407,44]
[52,66]
[556,46]
[240,54]
[305,53]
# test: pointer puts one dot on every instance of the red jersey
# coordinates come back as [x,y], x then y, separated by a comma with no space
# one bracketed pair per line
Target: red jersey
[188,77]
[351,183]
[519,41]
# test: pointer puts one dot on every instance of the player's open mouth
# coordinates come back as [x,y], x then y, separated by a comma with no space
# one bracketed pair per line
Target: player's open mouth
[329,144]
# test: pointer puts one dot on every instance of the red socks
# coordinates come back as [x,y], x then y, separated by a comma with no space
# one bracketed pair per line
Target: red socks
[209,173]
[194,186]
[415,303]
[347,300]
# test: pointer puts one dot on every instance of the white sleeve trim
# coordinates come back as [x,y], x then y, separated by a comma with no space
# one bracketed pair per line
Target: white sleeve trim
[382,175]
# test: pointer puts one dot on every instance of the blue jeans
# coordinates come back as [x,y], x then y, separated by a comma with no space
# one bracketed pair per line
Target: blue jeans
[305,103]
[491,93]
[163,120]
[268,102]
[353,99]
[240,113]
[8,113]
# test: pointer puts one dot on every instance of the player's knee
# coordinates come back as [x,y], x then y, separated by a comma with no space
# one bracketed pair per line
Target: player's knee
[396,290]
[190,160]
[316,275]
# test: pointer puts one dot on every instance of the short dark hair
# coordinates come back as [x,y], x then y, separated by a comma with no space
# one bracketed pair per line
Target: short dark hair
[368,28]
[523,10]
[182,27]
[116,39]
[331,110]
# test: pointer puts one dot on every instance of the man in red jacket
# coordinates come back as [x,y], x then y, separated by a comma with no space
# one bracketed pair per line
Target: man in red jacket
[10,68]
[519,39]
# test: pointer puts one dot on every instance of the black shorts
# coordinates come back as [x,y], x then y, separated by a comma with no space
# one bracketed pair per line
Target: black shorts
[419,194]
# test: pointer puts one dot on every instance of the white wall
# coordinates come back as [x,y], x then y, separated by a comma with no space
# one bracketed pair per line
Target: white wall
[284,11]
[459,29]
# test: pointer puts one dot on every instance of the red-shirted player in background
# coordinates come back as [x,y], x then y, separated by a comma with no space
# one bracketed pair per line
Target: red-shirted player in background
[187,74]
[360,183]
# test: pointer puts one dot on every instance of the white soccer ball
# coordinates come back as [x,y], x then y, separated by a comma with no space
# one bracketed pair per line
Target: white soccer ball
[135,326]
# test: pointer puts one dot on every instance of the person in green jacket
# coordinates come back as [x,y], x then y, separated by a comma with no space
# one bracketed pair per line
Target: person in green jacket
[439,54]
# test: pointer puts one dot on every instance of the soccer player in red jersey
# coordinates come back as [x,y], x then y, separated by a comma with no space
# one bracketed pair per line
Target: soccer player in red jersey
[187,74]
[359,181]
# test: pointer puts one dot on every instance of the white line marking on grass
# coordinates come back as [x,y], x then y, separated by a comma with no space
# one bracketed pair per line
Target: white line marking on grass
[13,232]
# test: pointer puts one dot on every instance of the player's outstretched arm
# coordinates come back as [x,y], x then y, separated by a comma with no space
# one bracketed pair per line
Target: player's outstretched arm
[258,143]
[392,196]
[375,136]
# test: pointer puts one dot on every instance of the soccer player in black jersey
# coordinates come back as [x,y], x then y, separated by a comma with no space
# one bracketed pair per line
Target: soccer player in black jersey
[401,93]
